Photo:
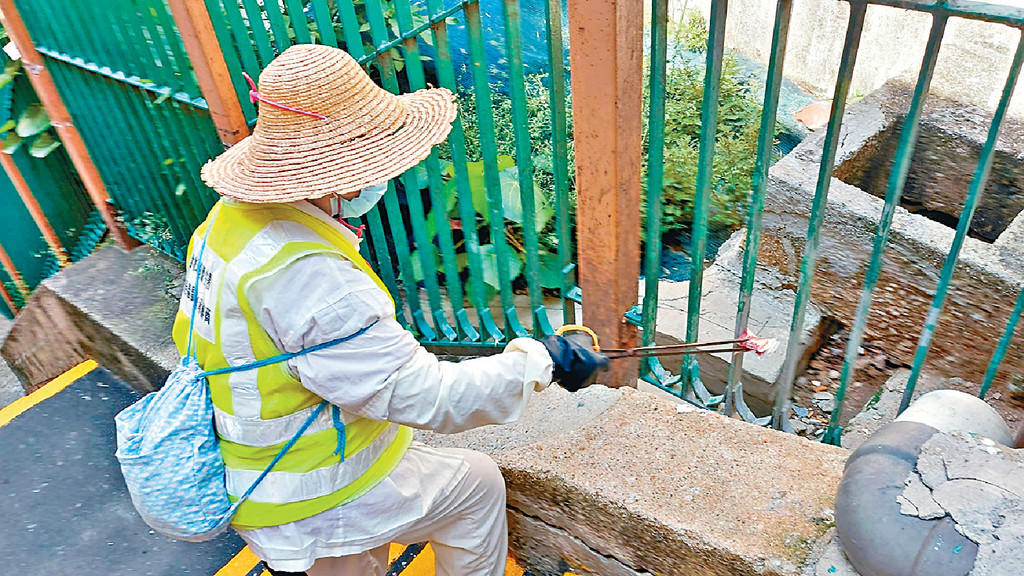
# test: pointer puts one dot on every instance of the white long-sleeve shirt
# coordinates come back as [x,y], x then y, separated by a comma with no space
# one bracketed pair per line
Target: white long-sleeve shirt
[383,374]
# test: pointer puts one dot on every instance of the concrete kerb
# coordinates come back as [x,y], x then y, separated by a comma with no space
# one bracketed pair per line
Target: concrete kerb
[114,306]
[602,481]
[661,487]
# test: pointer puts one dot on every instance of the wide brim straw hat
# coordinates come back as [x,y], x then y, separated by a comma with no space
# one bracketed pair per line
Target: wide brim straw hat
[342,132]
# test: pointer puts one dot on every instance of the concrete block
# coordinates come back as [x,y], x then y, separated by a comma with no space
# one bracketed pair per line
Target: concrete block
[989,275]
[114,306]
[665,488]
[771,311]
[543,550]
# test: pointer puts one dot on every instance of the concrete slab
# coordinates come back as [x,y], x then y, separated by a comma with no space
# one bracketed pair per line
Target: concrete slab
[771,311]
[663,487]
[114,306]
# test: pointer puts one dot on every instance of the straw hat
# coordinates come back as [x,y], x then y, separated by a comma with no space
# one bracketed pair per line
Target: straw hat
[343,134]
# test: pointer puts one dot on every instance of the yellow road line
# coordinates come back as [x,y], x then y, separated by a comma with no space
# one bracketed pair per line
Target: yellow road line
[48,390]
[240,565]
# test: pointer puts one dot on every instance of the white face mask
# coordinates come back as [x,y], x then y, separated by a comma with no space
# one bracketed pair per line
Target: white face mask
[359,205]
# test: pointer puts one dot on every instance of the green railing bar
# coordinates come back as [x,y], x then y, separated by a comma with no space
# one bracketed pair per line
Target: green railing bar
[172,131]
[183,66]
[489,153]
[560,156]
[457,142]
[354,45]
[160,60]
[1004,345]
[300,25]
[524,164]
[322,19]
[385,267]
[350,28]
[436,18]
[897,180]
[417,81]
[394,212]
[125,109]
[413,196]
[275,14]
[239,58]
[120,76]
[702,196]
[110,172]
[988,153]
[972,9]
[260,35]
[780,413]
[241,50]
[160,117]
[655,171]
[752,245]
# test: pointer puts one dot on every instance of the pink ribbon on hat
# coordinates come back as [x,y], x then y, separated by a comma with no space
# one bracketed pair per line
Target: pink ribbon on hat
[254,96]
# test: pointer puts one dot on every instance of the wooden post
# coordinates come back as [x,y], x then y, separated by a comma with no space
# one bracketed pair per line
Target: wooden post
[606,52]
[211,71]
[12,271]
[34,209]
[61,120]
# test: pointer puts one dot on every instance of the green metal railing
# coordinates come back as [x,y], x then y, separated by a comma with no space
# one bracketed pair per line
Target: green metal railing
[688,385]
[123,73]
[61,197]
[457,287]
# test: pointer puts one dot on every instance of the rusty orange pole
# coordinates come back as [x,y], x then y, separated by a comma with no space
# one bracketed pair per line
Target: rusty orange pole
[606,53]
[207,59]
[34,209]
[8,299]
[12,271]
[61,119]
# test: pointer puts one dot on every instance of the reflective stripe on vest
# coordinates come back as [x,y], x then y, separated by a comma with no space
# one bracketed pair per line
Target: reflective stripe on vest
[257,411]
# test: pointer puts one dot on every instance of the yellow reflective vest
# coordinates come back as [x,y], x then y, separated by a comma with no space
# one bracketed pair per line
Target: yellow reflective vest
[339,457]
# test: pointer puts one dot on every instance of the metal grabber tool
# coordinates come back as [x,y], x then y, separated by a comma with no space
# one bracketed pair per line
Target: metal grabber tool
[747,343]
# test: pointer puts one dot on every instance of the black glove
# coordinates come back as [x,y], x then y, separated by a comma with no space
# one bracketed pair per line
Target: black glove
[576,364]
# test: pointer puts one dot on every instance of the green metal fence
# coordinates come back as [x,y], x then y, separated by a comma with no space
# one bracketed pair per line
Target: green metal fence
[468,242]
[688,384]
[123,73]
[61,197]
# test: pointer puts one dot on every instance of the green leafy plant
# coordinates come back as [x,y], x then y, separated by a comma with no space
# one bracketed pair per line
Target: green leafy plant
[513,221]
[735,146]
[32,127]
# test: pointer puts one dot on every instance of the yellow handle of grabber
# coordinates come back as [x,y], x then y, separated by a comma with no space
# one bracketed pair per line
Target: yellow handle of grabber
[580,328]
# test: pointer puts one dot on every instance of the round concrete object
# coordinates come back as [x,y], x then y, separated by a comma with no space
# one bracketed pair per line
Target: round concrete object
[952,411]
[877,538]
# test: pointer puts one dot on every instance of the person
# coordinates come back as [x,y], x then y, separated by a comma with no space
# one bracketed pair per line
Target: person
[279,272]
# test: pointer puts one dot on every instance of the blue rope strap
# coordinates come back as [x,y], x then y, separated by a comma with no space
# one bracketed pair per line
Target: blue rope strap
[339,425]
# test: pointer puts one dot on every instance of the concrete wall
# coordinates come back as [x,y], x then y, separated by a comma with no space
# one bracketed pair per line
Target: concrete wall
[972,67]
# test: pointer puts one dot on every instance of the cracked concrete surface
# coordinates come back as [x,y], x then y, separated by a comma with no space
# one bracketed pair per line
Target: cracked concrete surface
[980,485]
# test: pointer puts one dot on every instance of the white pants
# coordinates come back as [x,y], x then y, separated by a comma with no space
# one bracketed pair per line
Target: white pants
[467,529]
